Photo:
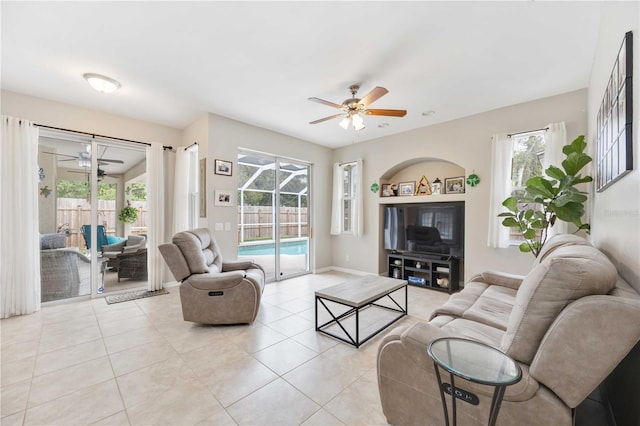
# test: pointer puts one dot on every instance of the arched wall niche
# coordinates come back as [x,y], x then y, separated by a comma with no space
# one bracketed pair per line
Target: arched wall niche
[413,169]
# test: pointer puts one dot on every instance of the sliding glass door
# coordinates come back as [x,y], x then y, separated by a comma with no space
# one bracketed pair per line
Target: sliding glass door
[293,218]
[84,184]
[273,214]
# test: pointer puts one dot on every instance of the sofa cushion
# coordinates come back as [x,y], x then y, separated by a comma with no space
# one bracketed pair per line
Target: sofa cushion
[458,303]
[493,307]
[112,239]
[568,273]
[210,249]
[559,240]
[474,330]
[191,247]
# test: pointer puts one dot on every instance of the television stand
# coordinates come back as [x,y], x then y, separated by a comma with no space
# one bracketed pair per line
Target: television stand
[436,272]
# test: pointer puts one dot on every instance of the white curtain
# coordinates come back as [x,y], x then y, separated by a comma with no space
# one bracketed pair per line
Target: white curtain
[155,192]
[336,225]
[358,226]
[181,191]
[501,156]
[19,228]
[556,138]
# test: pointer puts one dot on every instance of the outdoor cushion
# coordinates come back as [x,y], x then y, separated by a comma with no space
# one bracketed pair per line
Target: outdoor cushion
[111,239]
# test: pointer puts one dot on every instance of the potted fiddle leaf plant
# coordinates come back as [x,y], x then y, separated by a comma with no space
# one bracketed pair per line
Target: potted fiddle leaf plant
[550,198]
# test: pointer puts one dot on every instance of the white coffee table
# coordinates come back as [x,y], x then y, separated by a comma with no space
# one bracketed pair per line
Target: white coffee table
[360,294]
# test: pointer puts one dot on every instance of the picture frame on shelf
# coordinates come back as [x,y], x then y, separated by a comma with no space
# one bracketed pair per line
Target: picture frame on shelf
[223,198]
[222,167]
[387,190]
[406,188]
[454,185]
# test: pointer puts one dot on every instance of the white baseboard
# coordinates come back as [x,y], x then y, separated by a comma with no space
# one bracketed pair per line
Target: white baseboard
[339,269]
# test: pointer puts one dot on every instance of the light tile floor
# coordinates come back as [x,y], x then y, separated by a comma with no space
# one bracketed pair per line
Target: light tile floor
[138,362]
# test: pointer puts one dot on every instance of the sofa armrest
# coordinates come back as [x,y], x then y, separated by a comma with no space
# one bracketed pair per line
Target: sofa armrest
[236,265]
[499,278]
[585,343]
[216,281]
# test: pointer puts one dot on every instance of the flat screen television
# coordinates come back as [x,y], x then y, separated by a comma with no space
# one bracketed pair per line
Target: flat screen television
[426,228]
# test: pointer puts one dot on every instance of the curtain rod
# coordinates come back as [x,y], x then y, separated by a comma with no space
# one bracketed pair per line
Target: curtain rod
[528,131]
[187,147]
[100,136]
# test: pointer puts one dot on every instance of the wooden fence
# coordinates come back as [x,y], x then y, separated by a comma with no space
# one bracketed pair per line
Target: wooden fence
[258,223]
[72,213]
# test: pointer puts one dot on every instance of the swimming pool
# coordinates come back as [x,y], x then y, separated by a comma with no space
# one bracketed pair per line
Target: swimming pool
[287,247]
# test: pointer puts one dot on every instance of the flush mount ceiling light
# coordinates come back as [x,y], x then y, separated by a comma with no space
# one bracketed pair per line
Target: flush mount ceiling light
[101,83]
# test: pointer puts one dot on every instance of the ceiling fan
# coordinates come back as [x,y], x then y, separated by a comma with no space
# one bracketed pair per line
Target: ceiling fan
[352,107]
[84,158]
[101,173]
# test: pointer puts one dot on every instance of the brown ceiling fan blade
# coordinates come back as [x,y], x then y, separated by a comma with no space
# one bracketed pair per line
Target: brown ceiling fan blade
[106,160]
[323,102]
[387,112]
[326,118]
[373,96]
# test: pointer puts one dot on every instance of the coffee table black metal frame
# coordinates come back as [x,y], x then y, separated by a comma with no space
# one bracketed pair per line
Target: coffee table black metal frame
[357,306]
[458,369]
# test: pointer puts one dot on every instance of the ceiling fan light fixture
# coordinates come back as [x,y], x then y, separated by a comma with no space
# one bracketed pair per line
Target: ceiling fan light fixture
[358,122]
[345,123]
[102,83]
[84,159]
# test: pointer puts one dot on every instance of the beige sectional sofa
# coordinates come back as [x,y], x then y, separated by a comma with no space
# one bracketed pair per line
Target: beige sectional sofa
[568,323]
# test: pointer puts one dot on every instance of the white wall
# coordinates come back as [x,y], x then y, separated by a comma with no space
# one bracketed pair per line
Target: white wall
[226,136]
[615,223]
[57,114]
[465,142]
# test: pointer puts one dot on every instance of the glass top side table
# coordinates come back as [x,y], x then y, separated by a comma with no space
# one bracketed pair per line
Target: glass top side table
[475,362]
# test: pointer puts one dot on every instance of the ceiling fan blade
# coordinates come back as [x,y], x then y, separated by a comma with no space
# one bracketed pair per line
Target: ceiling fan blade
[60,155]
[106,160]
[326,118]
[323,102]
[387,112]
[373,96]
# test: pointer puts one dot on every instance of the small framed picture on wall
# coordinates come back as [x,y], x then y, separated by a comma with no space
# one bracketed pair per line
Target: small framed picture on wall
[222,167]
[223,198]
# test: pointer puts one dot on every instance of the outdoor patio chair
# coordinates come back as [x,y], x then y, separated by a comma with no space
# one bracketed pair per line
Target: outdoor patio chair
[101,236]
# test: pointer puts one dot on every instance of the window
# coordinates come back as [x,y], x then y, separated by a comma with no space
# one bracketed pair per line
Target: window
[349,189]
[526,162]
[517,158]
[346,210]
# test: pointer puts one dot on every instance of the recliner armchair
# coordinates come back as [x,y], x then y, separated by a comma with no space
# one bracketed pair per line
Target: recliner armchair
[213,291]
